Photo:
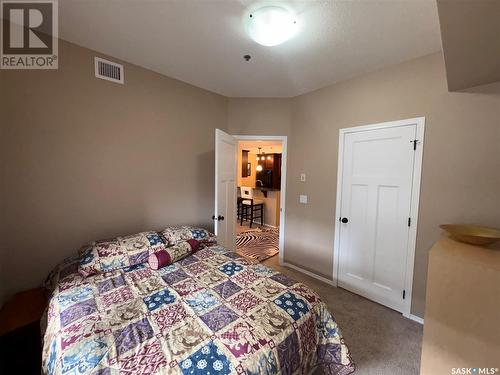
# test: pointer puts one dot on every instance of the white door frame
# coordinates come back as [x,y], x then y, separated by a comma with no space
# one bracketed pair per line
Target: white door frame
[283,139]
[415,197]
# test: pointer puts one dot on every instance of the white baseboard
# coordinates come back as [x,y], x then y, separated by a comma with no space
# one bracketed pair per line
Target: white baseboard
[416,318]
[308,273]
[330,282]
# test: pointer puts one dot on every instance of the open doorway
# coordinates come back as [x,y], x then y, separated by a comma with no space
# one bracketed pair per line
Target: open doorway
[250,176]
[259,175]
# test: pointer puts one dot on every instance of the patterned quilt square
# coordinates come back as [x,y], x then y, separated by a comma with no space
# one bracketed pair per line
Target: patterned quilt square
[138,258]
[196,268]
[134,243]
[154,239]
[125,313]
[149,285]
[219,317]
[148,360]
[285,280]
[185,337]
[84,357]
[109,284]
[205,254]
[187,287]
[306,293]
[168,317]
[158,299]
[116,296]
[294,306]
[108,249]
[231,268]
[308,339]
[74,296]
[209,360]
[245,301]
[132,335]
[188,260]
[246,278]
[174,277]
[202,301]
[216,260]
[78,311]
[262,270]
[140,274]
[211,277]
[111,263]
[227,289]
[289,354]
[134,267]
[271,319]
[241,339]
[78,331]
[267,288]
[330,352]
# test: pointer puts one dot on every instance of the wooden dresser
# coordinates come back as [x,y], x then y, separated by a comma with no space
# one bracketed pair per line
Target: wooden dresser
[462,314]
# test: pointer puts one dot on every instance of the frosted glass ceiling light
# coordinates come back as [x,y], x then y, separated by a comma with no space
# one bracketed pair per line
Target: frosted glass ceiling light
[271,25]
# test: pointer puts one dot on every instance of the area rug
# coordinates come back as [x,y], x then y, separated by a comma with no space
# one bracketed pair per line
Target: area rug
[258,244]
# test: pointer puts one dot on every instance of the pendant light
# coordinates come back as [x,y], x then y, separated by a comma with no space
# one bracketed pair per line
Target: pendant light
[259,157]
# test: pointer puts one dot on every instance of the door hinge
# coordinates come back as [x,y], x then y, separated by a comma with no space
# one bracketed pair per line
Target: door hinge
[415,141]
[404,294]
[409,221]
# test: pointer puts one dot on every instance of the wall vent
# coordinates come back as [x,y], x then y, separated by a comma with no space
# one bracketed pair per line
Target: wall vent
[108,70]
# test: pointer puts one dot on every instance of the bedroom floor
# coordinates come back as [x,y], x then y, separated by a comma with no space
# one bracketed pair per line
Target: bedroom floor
[381,340]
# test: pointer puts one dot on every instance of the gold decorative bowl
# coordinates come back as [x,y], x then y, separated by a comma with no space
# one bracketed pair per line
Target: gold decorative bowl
[472,234]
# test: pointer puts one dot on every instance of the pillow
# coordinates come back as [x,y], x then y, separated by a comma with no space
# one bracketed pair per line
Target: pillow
[176,234]
[172,254]
[120,252]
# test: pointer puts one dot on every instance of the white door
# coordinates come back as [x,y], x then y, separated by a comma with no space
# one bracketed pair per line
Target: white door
[377,174]
[225,189]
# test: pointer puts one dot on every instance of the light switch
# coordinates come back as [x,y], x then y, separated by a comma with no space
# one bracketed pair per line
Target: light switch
[303,199]
[302,177]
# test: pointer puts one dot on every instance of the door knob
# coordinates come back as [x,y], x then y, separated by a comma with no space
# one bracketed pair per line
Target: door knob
[344,220]
[220,218]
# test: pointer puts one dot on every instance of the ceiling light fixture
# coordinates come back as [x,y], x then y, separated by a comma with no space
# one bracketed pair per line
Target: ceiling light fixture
[271,25]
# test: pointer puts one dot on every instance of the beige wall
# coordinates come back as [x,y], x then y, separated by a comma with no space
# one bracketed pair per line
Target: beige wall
[470,31]
[461,171]
[84,158]
[259,116]
[88,159]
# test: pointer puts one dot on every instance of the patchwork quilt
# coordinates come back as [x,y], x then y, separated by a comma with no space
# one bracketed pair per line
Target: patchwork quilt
[213,312]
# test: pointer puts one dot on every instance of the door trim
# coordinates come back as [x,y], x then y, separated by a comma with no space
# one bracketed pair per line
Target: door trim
[222,134]
[414,204]
[283,139]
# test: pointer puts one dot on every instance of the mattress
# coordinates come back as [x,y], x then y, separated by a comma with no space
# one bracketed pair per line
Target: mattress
[214,312]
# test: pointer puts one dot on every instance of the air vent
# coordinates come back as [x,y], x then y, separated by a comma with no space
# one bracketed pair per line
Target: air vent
[108,70]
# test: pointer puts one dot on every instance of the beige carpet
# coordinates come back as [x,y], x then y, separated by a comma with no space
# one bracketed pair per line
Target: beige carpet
[382,341]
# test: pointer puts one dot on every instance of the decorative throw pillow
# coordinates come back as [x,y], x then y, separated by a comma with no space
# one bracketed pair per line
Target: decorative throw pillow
[176,234]
[120,252]
[173,254]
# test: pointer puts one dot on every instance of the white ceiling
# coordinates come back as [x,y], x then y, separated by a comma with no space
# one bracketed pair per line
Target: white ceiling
[203,42]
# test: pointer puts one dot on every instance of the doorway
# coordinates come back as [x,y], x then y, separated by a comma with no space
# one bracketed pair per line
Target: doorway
[377,209]
[250,203]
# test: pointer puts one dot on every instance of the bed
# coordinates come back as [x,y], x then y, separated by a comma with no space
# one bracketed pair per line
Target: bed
[212,312]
